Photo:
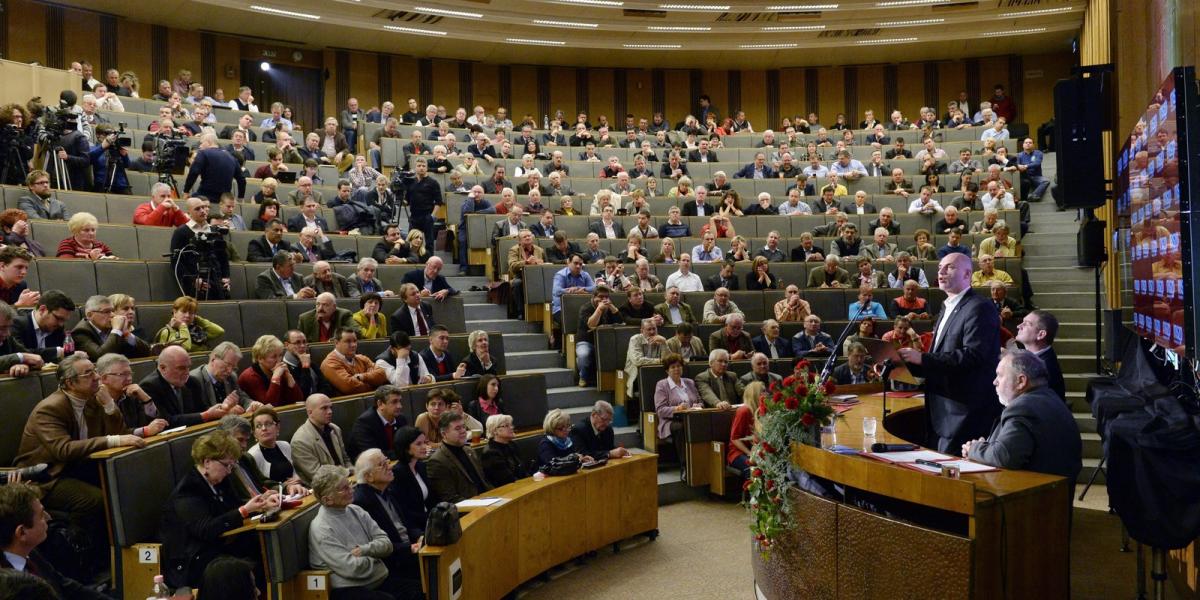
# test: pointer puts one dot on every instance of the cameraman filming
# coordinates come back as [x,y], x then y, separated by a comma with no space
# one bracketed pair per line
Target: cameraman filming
[69,160]
[216,169]
[111,151]
[199,258]
[16,144]
[423,194]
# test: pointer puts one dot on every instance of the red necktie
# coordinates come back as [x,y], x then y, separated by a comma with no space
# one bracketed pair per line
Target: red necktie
[422,328]
[388,430]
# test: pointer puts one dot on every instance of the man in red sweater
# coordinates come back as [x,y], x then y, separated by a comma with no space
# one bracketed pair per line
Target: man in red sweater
[161,210]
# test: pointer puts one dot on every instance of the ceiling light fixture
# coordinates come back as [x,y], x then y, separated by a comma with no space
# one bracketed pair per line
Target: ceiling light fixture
[264,66]
[534,42]
[413,30]
[551,23]
[910,22]
[766,46]
[1040,11]
[696,7]
[447,13]
[890,3]
[653,46]
[801,7]
[677,28]
[794,28]
[1013,32]
[886,41]
[284,13]
[592,2]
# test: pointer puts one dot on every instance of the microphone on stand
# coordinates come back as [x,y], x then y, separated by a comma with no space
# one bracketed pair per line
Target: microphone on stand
[827,370]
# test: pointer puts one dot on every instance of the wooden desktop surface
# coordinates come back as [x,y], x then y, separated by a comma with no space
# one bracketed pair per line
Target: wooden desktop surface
[540,524]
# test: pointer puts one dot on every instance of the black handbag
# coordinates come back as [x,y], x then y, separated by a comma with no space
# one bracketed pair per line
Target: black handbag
[562,465]
[442,528]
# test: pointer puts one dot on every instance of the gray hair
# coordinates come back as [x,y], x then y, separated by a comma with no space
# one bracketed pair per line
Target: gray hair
[382,393]
[1024,362]
[495,422]
[602,407]
[326,479]
[67,369]
[106,363]
[717,354]
[225,348]
[96,303]
[159,187]
[8,312]
[362,464]
[280,259]
[234,424]
[367,261]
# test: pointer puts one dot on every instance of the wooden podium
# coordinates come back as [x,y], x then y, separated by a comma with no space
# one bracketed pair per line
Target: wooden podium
[1001,534]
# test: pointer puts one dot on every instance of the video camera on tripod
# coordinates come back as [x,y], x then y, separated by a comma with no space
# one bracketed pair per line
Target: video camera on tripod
[203,259]
[171,152]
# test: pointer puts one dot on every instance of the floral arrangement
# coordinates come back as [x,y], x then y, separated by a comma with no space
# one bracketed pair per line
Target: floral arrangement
[793,411]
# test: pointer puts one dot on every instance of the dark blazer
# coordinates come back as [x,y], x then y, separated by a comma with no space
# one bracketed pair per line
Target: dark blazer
[367,498]
[1054,374]
[799,254]
[192,523]
[448,479]
[851,208]
[802,348]
[182,410]
[502,464]
[960,400]
[24,332]
[689,209]
[547,451]
[87,340]
[597,228]
[716,281]
[1036,432]
[323,251]
[747,172]
[540,231]
[474,367]
[417,278]
[432,364]
[297,222]
[369,432]
[414,508]
[64,586]
[227,133]
[781,346]
[267,285]
[401,320]
[259,249]
[694,156]
[587,442]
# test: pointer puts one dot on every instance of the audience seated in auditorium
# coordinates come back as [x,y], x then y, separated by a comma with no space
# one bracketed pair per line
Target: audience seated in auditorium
[760,276]
[600,311]
[374,494]
[441,363]
[175,395]
[988,272]
[557,442]
[500,461]
[27,520]
[42,329]
[403,366]
[487,400]
[410,488]
[770,343]
[744,430]
[318,441]
[101,331]
[811,341]
[792,308]
[187,329]
[953,245]
[161,210]
[370,322]
[718,387]
[479,360]
[910,304]
[347,371]
[82,242]
[116,375]
[1001,244]
[218,382]
[377,425]
[392,249]
[15,231]
[672,394]
[320,323]
[430,281]
[39,202]
[673,310]
[807,250]
[268,379]
[760,371]
[364,280]
[455,472]
[324,280]
[594,436]
[645,348]
[855,370]
[271,455]
[264,248]
[829,276]
[314,245]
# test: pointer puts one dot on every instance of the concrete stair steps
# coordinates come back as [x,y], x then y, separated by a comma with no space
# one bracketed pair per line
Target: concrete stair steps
[574,397]
[484,311]
[1039,275]
[1075,315]
[526,342]
[1085,421]
[529,359]
[502,326]
[1077,382]
[1053,257]
[1076,363]
[1089,466]
[1076,346]
[1054,300]
[1092,447]
[1081,288]
[1081,330]
[556,377]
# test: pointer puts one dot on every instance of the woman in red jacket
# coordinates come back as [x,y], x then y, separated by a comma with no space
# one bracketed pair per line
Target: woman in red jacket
[268,379]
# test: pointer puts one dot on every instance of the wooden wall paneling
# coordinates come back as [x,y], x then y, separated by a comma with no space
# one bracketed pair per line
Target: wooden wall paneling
[226,54]
[208,64]
[361,80]
[600,97]
[974,85]
[160,55]
[405,83]
[658,91]
[1038,104]
[695,88]
[733,88]
[620,86]
[582,96]
[870,93]
[931,95]
[26,31]
[526,87]
[108,44]
[1016,83]
[3,30]
[910,90]
[183,53]
[812,91]
[445,85]
[832,93]
[80,39]
[639,97]
[791,98]
[466,87]
[135,54]
[677,95]
[383,82]
[952,78]
[486,83]
[562,94]
[891,92]
[425,82]
[716,85]
[993,70]
[850,94]
[773,96]
[754,99]
[504,88]
[330,100]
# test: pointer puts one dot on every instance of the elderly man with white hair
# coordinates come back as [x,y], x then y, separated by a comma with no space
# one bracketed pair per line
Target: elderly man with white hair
[364,280]
[760,371]
[719,388]
[373,494]
[176,396]
[594,435]
[733,338]
[646,347]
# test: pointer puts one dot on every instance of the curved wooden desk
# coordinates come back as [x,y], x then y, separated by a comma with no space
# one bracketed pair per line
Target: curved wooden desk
[538,525]
[1001,534]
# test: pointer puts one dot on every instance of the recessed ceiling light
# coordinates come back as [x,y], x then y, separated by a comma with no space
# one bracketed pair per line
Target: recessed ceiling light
[592,2]
[677,28]
[1013,32]
[653,46]
[694,7]
[447,13]
[535,42]
[551,23]
[766,46]
[886,41]
[1040,11]
[415,30]
[908,3]
[801,7]
[910,22]
[794,28]
[285,13]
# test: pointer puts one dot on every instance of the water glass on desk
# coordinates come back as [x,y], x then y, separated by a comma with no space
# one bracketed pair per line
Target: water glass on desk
[869,426]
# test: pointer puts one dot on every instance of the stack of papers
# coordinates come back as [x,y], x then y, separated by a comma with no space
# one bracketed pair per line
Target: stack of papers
[477,502]
[909,459]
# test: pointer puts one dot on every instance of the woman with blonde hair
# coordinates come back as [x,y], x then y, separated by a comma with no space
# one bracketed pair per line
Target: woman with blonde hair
[683,189]
[745,428]
[667,252]
[418,252]
[557,440]
[187,329]
[501,462]
[268,379]
[83,243]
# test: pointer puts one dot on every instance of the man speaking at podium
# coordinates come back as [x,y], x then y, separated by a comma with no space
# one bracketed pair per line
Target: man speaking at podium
[960,400]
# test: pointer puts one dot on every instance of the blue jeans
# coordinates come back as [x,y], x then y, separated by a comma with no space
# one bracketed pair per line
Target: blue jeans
[742,463]
[1039,187]
[585,361]
[351,139]
[376,158]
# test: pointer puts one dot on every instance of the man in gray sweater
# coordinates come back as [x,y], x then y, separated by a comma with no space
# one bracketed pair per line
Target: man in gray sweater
[344,539]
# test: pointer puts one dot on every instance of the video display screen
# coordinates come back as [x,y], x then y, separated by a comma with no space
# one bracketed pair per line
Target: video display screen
[1152,196]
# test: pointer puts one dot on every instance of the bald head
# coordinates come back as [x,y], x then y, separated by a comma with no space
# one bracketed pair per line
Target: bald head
[320,409]
[954,273]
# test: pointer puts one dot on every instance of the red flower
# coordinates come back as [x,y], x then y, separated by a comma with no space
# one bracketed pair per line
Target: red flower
[789,380]
[777,397]
[770,484]
[802,364]
[746,485]
[807,419]
[792,403]
[830,386]
[771,387]
[802,390]
[756,473]
[762,409]
[767,447]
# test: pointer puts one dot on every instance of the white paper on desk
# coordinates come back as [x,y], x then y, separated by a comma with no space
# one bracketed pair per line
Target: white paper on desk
[636,451]
[477,502]
[966,466]
[910,456]
[927,468]
[173,430]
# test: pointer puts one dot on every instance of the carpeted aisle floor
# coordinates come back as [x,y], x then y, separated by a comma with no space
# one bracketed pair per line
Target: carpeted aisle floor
[703,553]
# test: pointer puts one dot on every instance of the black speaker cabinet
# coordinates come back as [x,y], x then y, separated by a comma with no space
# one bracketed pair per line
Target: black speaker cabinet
[1090,243]
[1080,105]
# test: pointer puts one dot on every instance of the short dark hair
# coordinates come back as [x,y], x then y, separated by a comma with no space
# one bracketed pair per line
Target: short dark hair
[280,258]
[16,509]
[671,359]
[449,418]
[399,339]
[11,253]
[384,391]
[365,298]
[684,329]
[404,438]
[341,331]
[1046,322]
[228,577]
[56,300]
[438,329]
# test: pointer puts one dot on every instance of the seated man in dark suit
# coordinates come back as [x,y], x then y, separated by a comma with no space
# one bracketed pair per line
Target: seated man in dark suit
[414,317]
[101,332]
[1037,332]
[281,281]
[441,363]
[27,523]
[319,324]
[455,472]
[770,343]
[42,330]
[811,342]
[309,216]
[266,247]
[315,246]
[429,280]
[376,426]
[176,395]
[855,370]
[1036,430]
[374,494]
[594,435]
[562,249]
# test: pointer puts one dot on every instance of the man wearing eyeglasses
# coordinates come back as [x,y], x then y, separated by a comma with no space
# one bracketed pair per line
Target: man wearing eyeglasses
[78,419]
[39,203]
[594,436]
[42,329]
[15,359]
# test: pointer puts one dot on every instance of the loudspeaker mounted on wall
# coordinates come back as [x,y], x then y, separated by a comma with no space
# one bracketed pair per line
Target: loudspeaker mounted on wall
[1081,105]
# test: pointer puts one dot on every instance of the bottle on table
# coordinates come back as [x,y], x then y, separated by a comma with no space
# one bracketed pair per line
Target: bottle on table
[160,589]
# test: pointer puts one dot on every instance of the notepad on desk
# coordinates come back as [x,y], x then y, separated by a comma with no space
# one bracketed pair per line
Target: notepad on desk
[909,459]
[910,456]
[477,502]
